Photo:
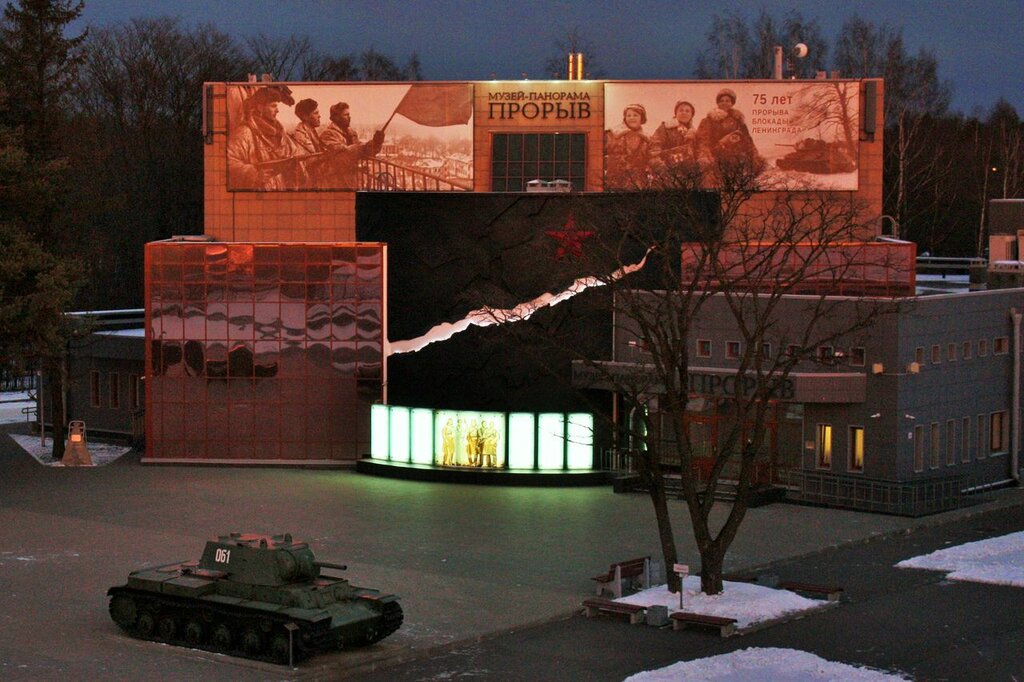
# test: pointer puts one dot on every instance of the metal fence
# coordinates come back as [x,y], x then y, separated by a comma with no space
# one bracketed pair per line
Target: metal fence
[11,381]
[902,498]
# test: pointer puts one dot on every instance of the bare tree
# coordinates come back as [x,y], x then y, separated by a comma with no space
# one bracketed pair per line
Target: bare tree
[736,50]
[673,262]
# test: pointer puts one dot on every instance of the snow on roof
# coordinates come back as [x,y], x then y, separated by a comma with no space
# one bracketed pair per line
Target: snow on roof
[763,664]
[138,332]
[997,560]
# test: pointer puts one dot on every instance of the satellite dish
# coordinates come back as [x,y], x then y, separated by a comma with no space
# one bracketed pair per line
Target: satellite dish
[800,50]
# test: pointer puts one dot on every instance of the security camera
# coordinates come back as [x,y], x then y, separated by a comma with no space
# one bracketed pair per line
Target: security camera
[800,50]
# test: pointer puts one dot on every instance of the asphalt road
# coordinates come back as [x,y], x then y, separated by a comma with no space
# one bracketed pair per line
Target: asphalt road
[912,622]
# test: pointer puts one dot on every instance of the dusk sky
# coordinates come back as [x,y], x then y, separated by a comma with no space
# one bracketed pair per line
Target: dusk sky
[979,43]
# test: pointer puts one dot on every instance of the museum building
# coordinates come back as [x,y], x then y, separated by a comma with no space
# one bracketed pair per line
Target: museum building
[346,224]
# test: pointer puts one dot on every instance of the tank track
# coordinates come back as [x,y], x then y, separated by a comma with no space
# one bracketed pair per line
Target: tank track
[216,627]
[391,619]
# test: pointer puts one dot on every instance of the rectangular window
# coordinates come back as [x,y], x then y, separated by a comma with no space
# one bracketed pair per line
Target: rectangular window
[997,433]
[919,355]
[982,347]
[919,448]
[115,393]
[857,356]
[766,350]
[703,348]
[965,440]
[936,354]
[94,389]
[824,446]
[517,158]
[951,352]
[950,442]
[965,350]
[732,349]
[856,445]
[980,434]
[1001,346]
[792,350]
[933,446]
[825,353]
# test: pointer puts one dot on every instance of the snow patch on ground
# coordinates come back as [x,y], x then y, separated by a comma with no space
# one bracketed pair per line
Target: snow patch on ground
[101,453]
[769,664]
[999,561]
[748,603]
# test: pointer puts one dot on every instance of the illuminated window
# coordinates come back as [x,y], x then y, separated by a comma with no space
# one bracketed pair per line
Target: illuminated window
[857,356]
[965,440]
[950,442]
[918,448]
[732,349]
[980,435]
[703,348]
[933,445]
[824,445]
[965,351]
[856,446]
[997,433]
[1001,346]
[115,394]
[517,158]
[94,389]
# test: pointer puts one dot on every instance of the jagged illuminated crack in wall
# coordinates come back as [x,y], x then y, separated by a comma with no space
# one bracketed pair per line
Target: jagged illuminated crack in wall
[486,317]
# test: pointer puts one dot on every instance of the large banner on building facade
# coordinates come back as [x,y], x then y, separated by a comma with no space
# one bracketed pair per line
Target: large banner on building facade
[299,136]
[799,135]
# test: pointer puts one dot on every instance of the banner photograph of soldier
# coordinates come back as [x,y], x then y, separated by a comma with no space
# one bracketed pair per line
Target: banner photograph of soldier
[287,136]
[796,135]
[470,439]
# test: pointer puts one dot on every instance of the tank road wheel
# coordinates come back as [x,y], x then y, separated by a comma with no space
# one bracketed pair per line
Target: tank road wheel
[194,632]
[222,637]
[123,611]
[279,649]
[252,642]
[167,627]
[145,625]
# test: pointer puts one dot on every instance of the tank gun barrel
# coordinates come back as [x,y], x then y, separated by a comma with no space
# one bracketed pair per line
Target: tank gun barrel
[329,564]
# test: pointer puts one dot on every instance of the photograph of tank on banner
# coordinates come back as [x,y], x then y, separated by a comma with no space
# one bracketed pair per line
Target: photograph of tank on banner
[802,135]
[356,136]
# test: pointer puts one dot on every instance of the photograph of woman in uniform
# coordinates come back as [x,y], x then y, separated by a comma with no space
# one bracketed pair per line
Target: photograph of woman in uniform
[723,137]
[626,150]
[673,147]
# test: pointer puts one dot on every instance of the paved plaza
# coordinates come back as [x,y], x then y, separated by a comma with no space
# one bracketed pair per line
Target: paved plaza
[467,561]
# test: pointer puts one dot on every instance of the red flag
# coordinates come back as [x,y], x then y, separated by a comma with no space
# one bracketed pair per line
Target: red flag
[437,105]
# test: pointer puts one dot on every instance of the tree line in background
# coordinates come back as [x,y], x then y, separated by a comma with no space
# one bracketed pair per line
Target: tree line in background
[101,130]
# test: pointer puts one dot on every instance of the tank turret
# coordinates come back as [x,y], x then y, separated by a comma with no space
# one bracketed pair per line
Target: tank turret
[258,596]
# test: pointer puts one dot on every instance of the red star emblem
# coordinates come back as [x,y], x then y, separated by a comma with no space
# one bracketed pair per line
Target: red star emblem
[570,239]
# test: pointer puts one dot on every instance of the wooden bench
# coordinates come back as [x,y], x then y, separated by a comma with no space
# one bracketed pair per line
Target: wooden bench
[621,573]
[680,619]
[595,606]
[830,592]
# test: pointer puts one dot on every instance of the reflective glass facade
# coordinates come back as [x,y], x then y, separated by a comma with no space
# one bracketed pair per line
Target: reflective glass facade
[262,352]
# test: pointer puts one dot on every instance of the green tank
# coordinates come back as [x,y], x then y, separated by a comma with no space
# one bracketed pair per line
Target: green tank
[257,596]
